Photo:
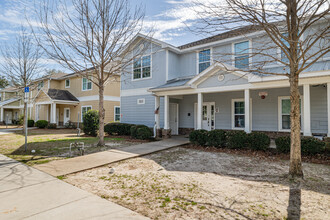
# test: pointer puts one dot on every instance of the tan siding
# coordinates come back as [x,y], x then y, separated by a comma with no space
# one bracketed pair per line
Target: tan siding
[42,97]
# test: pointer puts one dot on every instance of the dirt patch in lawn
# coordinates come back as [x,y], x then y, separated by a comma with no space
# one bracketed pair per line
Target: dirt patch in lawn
[183,183]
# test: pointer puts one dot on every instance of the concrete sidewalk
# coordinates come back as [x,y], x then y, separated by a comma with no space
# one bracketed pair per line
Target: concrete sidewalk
[27,193]
[72,165]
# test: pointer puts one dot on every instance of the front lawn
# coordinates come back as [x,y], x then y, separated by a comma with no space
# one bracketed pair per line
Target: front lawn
[183,183]
[52,144]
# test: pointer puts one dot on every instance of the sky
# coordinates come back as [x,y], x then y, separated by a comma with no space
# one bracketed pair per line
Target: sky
[169,19]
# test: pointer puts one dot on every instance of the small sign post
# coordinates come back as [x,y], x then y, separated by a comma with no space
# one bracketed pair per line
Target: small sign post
[26,98]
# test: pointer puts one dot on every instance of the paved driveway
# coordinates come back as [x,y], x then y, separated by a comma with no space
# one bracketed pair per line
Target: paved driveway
[27,193]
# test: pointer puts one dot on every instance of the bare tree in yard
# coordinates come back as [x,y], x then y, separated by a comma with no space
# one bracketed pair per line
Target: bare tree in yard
[89,38]
[287,27]
[21,63]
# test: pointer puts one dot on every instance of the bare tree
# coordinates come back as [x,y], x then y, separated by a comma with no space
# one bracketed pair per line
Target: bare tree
[21,63]
[89,37]
[288,26]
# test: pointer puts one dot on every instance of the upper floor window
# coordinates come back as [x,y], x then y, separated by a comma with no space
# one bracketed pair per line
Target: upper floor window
[204,60]
[86,84]
[67,83]
[241,55]
[142,67]
[40,85]
[0,97]
[284,57]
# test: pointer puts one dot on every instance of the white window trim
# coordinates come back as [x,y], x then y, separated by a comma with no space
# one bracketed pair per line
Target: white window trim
[144,101]
[280,98]
[197,58]
[66,85]
[82,84]
[114,113]
[233,114]
[233,51]
[81,113]
[150,77]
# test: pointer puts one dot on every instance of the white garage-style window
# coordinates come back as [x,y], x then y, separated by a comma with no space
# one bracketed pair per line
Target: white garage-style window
[117,113]
[238,114]
[284,113]
[86,84]
[84,110]
[142,68]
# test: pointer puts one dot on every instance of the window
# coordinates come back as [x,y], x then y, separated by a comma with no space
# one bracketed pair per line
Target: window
[40,85]
[204,60]
[117,113]
[285,108]
[284,58]
[67,83]
[86,84]
[0,97]
[85,109]
[141,101]
[142,67]
[241,55]
[239,114]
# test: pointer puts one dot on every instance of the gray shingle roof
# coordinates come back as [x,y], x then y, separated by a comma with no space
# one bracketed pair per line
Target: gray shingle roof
[64,95]
[175,82]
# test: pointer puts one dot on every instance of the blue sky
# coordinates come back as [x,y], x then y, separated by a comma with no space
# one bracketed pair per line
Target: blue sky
[169,19]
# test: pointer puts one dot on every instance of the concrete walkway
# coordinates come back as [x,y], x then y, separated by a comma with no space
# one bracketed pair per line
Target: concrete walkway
[27,193]
[76,164]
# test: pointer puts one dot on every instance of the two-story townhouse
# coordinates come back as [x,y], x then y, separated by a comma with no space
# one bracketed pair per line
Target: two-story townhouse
[11,105]
[186,89]
[60,98]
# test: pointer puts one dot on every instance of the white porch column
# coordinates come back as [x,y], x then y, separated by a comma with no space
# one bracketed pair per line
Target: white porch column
[199,110]
[157,106]
[1,115]
[166,112]
[53,113]
[247,127]
[328,101]
[307,111]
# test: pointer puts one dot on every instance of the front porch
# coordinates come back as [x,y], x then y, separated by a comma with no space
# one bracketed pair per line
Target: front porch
[249,109]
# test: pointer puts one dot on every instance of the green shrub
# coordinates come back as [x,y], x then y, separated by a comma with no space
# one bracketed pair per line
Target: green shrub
[41,124]
[199,137]
[312,146]
[134,130]
[52,126]
[258,141]
[283,144]
[217,138]
[236,139]
[21,120]
[30,123]
[143,133]
[118,128]
[91,122]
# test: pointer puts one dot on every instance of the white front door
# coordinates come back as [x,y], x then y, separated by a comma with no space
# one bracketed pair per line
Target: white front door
[9,117]
[66,115]
[208,117]
[57,115]
[174,118]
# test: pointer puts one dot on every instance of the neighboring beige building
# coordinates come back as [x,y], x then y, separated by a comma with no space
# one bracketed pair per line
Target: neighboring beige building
[11,105]
[60,98]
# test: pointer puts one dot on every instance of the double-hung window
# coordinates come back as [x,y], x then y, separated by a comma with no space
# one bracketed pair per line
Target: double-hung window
[239,114]
[241,55]
[40,85]
[142,67]
[86,84]
[204,60]
[285,108]
[117,113]
[84,110]
[67,83]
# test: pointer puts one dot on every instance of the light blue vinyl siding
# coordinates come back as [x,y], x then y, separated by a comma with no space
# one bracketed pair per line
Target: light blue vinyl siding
[140,114]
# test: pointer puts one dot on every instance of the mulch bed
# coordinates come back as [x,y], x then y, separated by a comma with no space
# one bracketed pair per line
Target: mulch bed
[271,154]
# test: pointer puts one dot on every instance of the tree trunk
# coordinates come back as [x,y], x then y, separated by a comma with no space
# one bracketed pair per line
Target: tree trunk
[101,116]
[25,118]
[295,151]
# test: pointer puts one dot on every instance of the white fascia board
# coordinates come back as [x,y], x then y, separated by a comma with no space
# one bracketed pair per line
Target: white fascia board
[96,98]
